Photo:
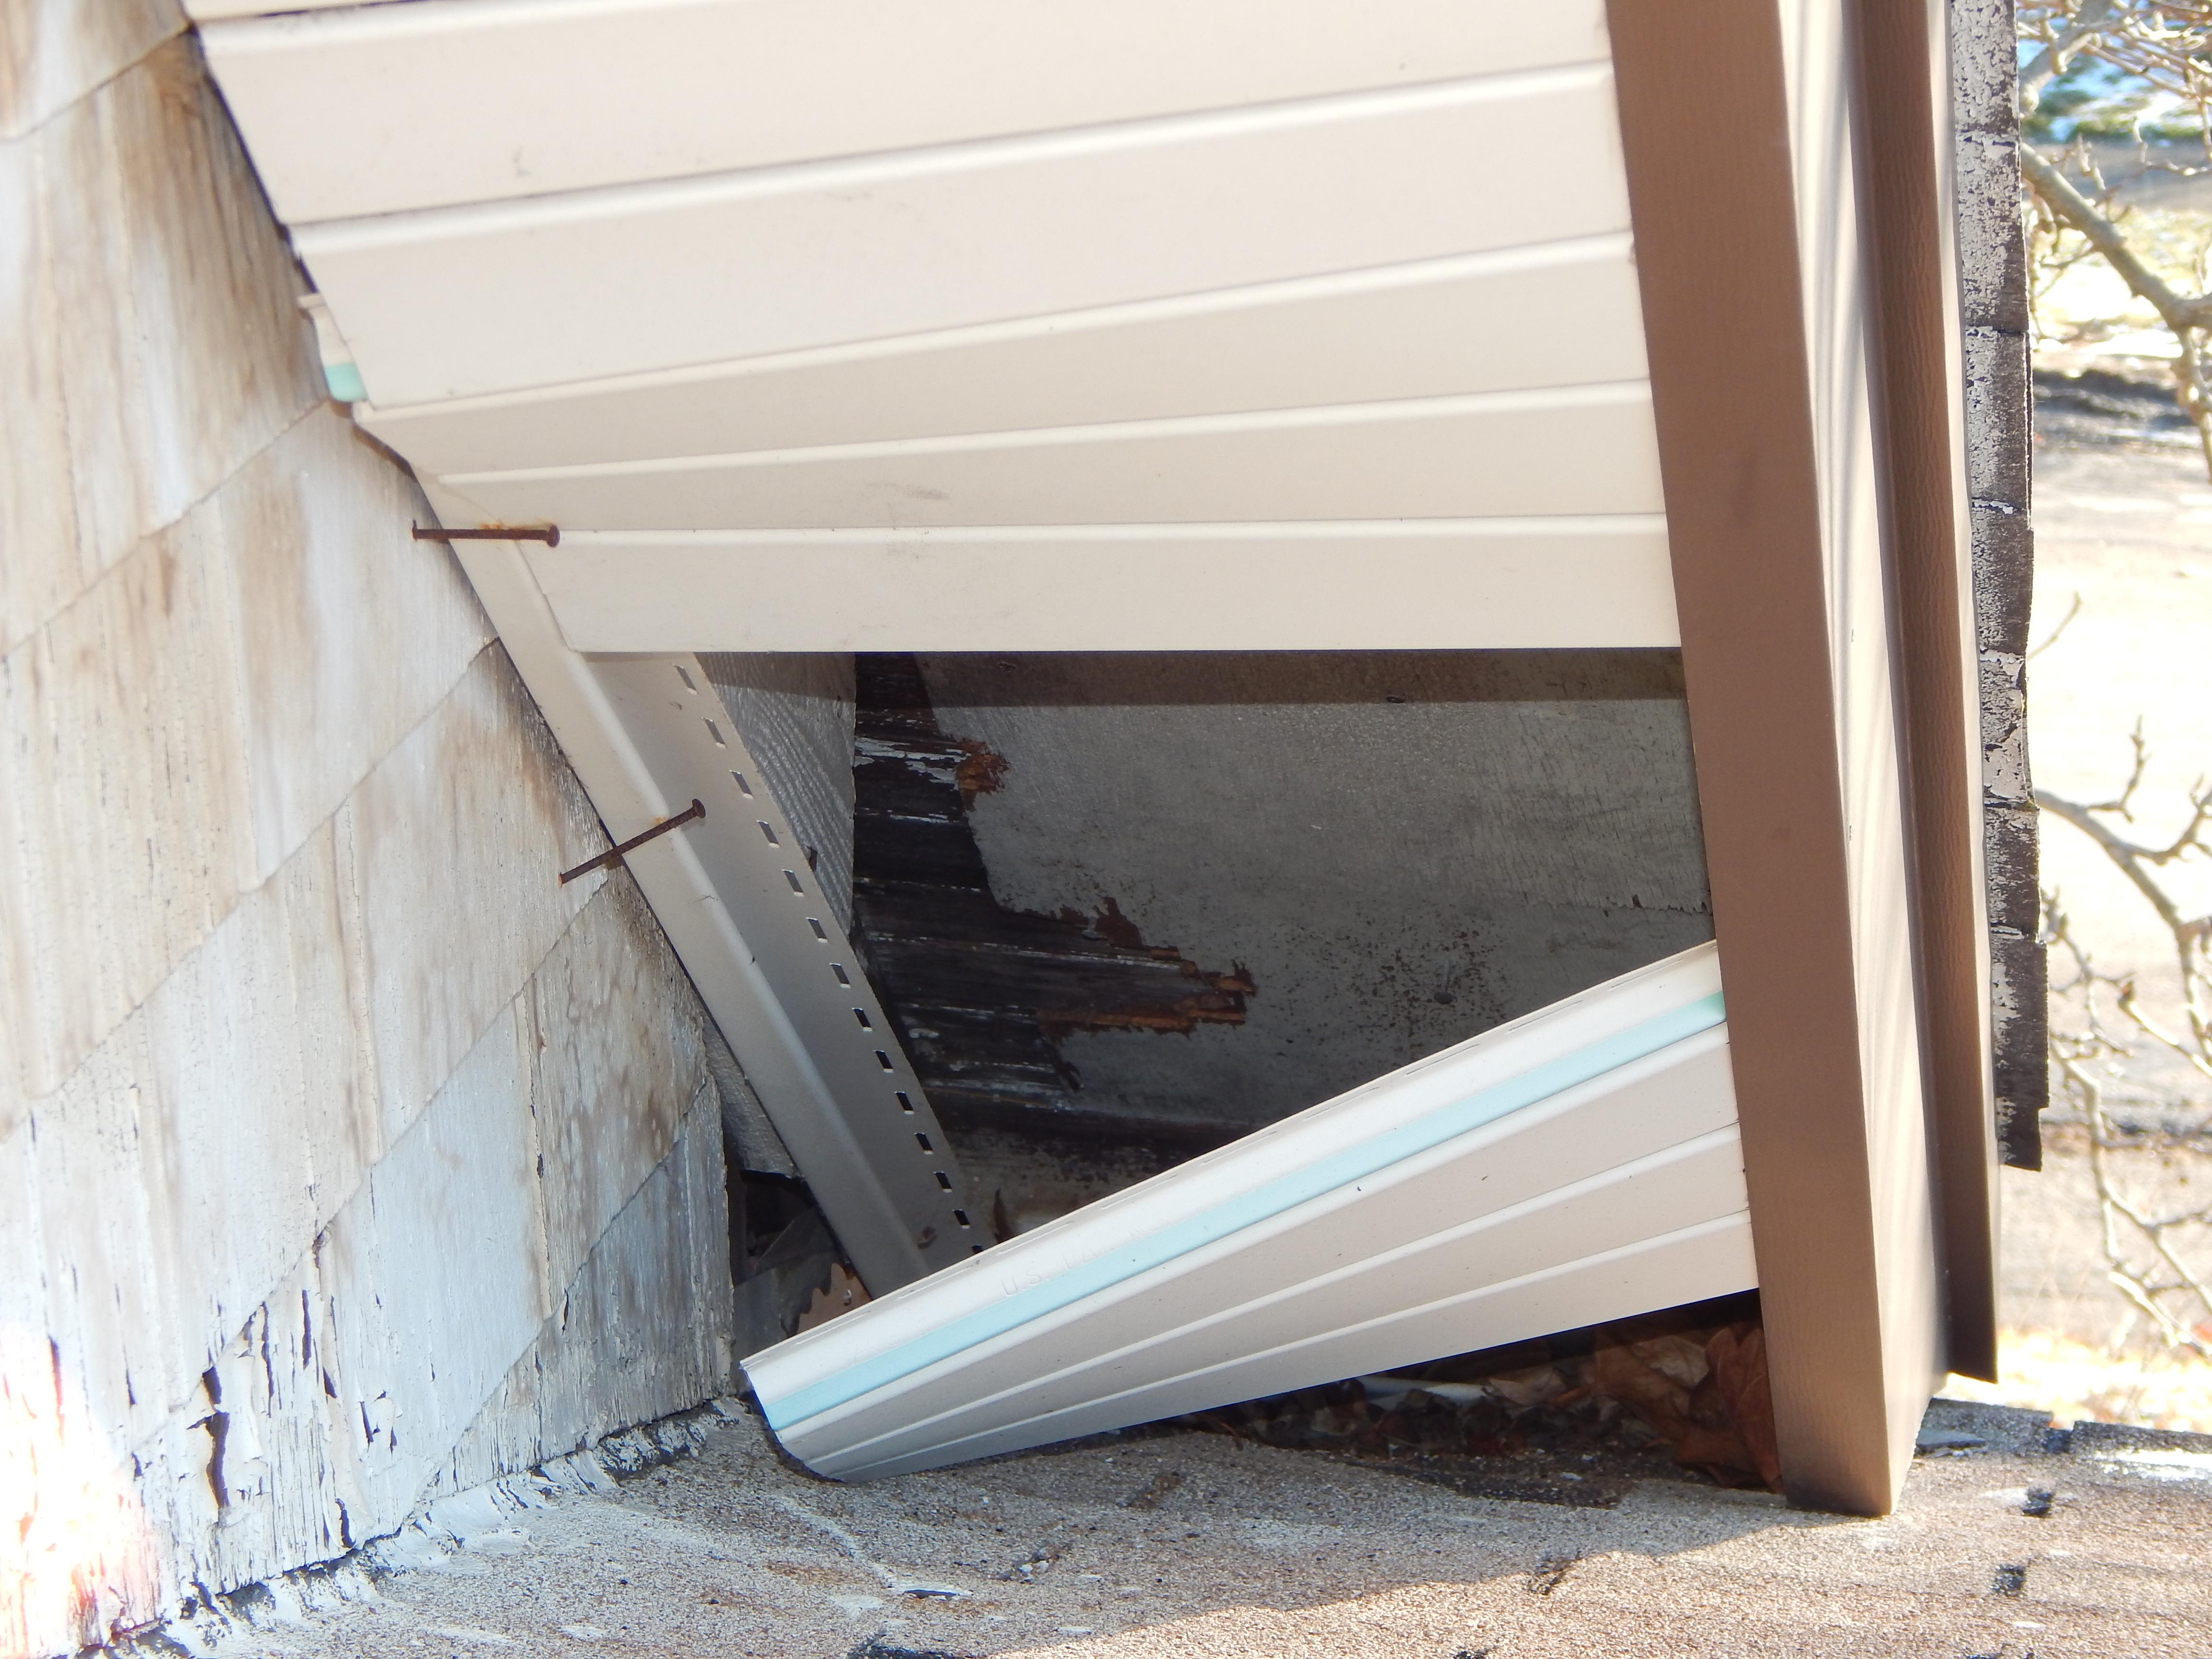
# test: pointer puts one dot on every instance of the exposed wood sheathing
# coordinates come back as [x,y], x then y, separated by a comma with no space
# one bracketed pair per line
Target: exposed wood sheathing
[52,52]
[1534,1177]
[1905,114]
[130,217]
[981,992]
[1125,908]
[1392,850]
[345,1156]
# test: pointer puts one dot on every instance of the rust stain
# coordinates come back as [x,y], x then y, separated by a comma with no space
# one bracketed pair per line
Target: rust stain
[1115,927]
[1136,996]
[979,772]
[1181,1017]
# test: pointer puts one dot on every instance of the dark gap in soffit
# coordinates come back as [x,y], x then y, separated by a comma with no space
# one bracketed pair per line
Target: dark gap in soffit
[1125,908]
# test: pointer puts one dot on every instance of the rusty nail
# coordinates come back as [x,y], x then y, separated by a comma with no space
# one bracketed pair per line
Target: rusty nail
[613,855]
[548,533]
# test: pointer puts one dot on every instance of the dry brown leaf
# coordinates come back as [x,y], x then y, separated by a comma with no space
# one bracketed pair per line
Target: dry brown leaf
[1739,1359]
[1703,1393]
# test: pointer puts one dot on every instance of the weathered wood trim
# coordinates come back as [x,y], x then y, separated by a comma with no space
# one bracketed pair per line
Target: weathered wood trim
[1904,134]
[1993,286]
[1713,201]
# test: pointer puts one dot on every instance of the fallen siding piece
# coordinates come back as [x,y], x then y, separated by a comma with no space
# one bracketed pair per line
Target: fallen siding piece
[1577,1164]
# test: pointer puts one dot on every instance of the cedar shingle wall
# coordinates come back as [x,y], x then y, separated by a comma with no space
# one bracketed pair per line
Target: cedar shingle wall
[342,1150]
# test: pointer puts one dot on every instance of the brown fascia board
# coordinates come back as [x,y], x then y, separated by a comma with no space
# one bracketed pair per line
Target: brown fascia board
[1905,124]
[1706,125]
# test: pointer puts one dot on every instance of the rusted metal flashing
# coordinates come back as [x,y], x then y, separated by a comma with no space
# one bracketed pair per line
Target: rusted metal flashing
[1905,120]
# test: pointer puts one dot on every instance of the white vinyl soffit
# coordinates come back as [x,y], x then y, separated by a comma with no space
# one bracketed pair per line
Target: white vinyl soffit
[1577,1164]
[1386,585]
[703,89]
[1254,324]
[987,324]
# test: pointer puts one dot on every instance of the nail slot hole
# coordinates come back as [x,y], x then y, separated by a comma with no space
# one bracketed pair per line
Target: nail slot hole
[885,1060]
[815,923]
[738,778]
[861,1014]
[944,1180]
[838,968]
[961,1216]
[905,1105]
[975,1250]
[924,1140]
[715,732]
[791,876]
[689,684]
[769,832]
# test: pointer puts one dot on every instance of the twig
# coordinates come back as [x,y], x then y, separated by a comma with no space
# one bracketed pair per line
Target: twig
[2180,312]
[2052,638]
[2158,44]
[2051,62]
[2148,1256]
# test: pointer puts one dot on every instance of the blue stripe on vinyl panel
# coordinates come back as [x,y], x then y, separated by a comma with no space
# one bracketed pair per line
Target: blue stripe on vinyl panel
[1248,1209]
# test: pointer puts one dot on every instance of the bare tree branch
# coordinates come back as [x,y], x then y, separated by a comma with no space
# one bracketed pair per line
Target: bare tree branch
[2158,1262]
[2180,311]
[2052,62]
[2052,638]
[2156,49]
